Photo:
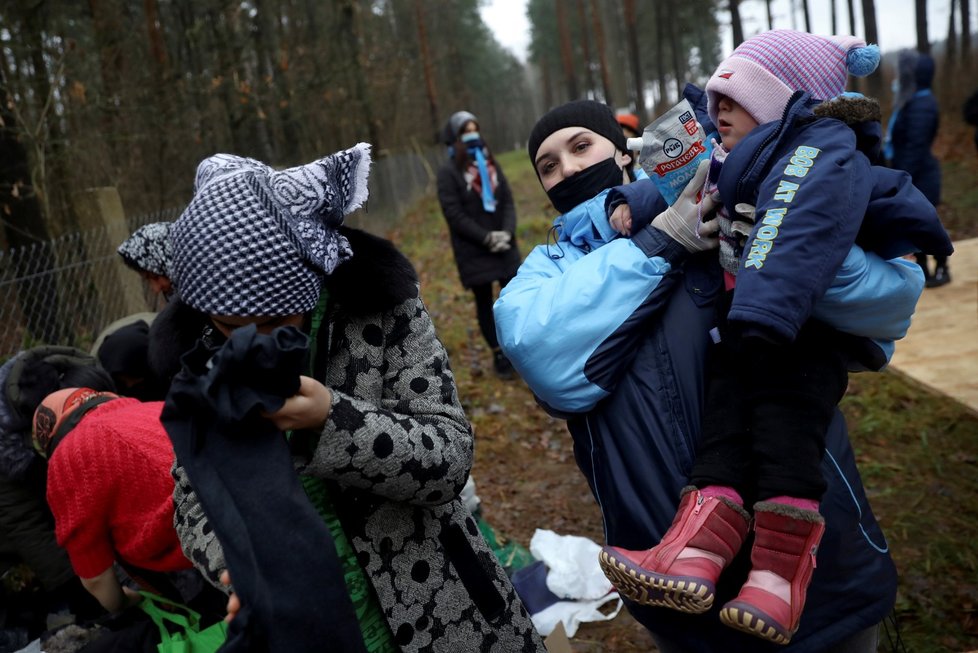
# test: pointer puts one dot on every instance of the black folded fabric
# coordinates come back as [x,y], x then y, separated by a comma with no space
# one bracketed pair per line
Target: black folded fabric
[280,554]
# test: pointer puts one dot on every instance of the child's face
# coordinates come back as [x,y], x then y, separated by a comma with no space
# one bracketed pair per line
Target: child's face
[733,122]
[570,150]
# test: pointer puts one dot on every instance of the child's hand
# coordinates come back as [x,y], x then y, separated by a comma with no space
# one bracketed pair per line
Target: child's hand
[234,603]
[621,219]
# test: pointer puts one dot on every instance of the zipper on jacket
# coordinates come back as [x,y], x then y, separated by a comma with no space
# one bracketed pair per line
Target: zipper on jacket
[594,479]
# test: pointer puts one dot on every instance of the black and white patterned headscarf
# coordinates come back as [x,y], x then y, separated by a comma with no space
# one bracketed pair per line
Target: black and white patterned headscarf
[148,249]
[256,241]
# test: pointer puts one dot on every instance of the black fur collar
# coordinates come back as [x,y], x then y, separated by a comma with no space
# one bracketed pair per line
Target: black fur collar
[377,278]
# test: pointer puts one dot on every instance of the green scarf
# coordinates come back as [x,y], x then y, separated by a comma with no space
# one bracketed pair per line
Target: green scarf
[376,632]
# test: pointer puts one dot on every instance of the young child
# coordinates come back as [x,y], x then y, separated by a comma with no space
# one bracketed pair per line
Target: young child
[795,176]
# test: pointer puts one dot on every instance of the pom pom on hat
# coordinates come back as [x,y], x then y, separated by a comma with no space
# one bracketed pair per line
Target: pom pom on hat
[764,71]
[863,61]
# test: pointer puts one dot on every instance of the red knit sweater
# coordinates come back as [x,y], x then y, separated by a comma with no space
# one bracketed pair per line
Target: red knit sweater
[110,489]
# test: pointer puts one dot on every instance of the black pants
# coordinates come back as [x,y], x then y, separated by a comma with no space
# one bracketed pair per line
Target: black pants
[483,310]
[939,262]
[768,408]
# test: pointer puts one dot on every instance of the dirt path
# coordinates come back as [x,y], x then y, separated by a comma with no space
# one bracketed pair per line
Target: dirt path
[941,349]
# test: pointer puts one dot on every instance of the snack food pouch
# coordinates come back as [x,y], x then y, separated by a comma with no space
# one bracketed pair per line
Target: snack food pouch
[672,147]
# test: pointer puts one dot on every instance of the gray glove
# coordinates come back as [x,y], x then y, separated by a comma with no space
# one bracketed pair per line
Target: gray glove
[498,241]
[683,221]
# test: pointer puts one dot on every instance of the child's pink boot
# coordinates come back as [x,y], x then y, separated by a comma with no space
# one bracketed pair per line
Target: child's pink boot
[770,603]
[681,572]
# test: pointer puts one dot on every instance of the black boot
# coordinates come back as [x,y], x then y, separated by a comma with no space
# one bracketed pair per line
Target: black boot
[940,277]
[504,369]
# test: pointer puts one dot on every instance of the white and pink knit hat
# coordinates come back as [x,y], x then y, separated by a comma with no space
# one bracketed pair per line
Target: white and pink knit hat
[764,71]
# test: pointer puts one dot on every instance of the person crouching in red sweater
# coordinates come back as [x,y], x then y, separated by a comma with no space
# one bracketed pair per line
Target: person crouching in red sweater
[109,488]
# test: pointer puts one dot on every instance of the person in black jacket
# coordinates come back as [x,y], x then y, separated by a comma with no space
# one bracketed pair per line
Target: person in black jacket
[970,111]
[478,206]
[26,524]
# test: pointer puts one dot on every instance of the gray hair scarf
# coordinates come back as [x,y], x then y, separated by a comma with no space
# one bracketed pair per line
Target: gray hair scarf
[148,249]
[256,241]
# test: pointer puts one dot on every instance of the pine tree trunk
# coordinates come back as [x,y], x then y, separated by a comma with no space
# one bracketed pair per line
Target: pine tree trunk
[966,35]
[599,43]
[586,47]
[735,24]
[951,44]
[24,226]
[662,104]
[923,41]
[874,82]
[566,51]
[631,30]
[429,78]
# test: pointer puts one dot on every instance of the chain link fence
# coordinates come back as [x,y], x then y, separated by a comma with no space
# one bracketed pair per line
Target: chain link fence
[65,291]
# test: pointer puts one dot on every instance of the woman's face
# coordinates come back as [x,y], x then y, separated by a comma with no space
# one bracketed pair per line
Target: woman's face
[570,150]
[158,283]
[265,324]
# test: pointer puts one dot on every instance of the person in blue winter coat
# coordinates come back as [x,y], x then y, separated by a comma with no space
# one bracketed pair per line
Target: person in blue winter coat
[796,193]
[612,334]
[911,133]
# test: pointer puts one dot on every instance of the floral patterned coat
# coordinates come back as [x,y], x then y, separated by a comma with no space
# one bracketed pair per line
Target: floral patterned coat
[396,451]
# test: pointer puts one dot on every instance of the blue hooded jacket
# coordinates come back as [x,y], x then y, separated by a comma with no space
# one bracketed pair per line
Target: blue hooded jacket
[613,337]
[914,128]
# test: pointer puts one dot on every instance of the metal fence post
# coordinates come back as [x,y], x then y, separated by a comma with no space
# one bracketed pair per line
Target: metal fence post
[101,208]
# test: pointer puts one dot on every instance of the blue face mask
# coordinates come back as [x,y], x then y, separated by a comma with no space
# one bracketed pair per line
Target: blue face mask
[471,140]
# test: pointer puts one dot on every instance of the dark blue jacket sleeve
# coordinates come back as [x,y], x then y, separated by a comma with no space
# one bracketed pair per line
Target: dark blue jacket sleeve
[900,220]
[642,197]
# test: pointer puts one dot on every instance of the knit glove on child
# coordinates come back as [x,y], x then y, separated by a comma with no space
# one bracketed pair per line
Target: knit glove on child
[683,221]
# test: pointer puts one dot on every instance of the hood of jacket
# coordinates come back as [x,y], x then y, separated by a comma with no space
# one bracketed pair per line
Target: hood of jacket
[863,115]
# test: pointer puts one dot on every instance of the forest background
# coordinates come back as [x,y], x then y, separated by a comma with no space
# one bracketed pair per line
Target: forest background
[131,95]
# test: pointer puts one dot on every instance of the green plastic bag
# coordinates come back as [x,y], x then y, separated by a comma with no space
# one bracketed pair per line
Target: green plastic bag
[180,627]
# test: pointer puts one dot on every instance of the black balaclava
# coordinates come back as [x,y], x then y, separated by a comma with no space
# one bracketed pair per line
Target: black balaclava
[585,184]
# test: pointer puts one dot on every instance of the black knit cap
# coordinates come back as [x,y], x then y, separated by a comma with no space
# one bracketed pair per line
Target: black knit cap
[596,116]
